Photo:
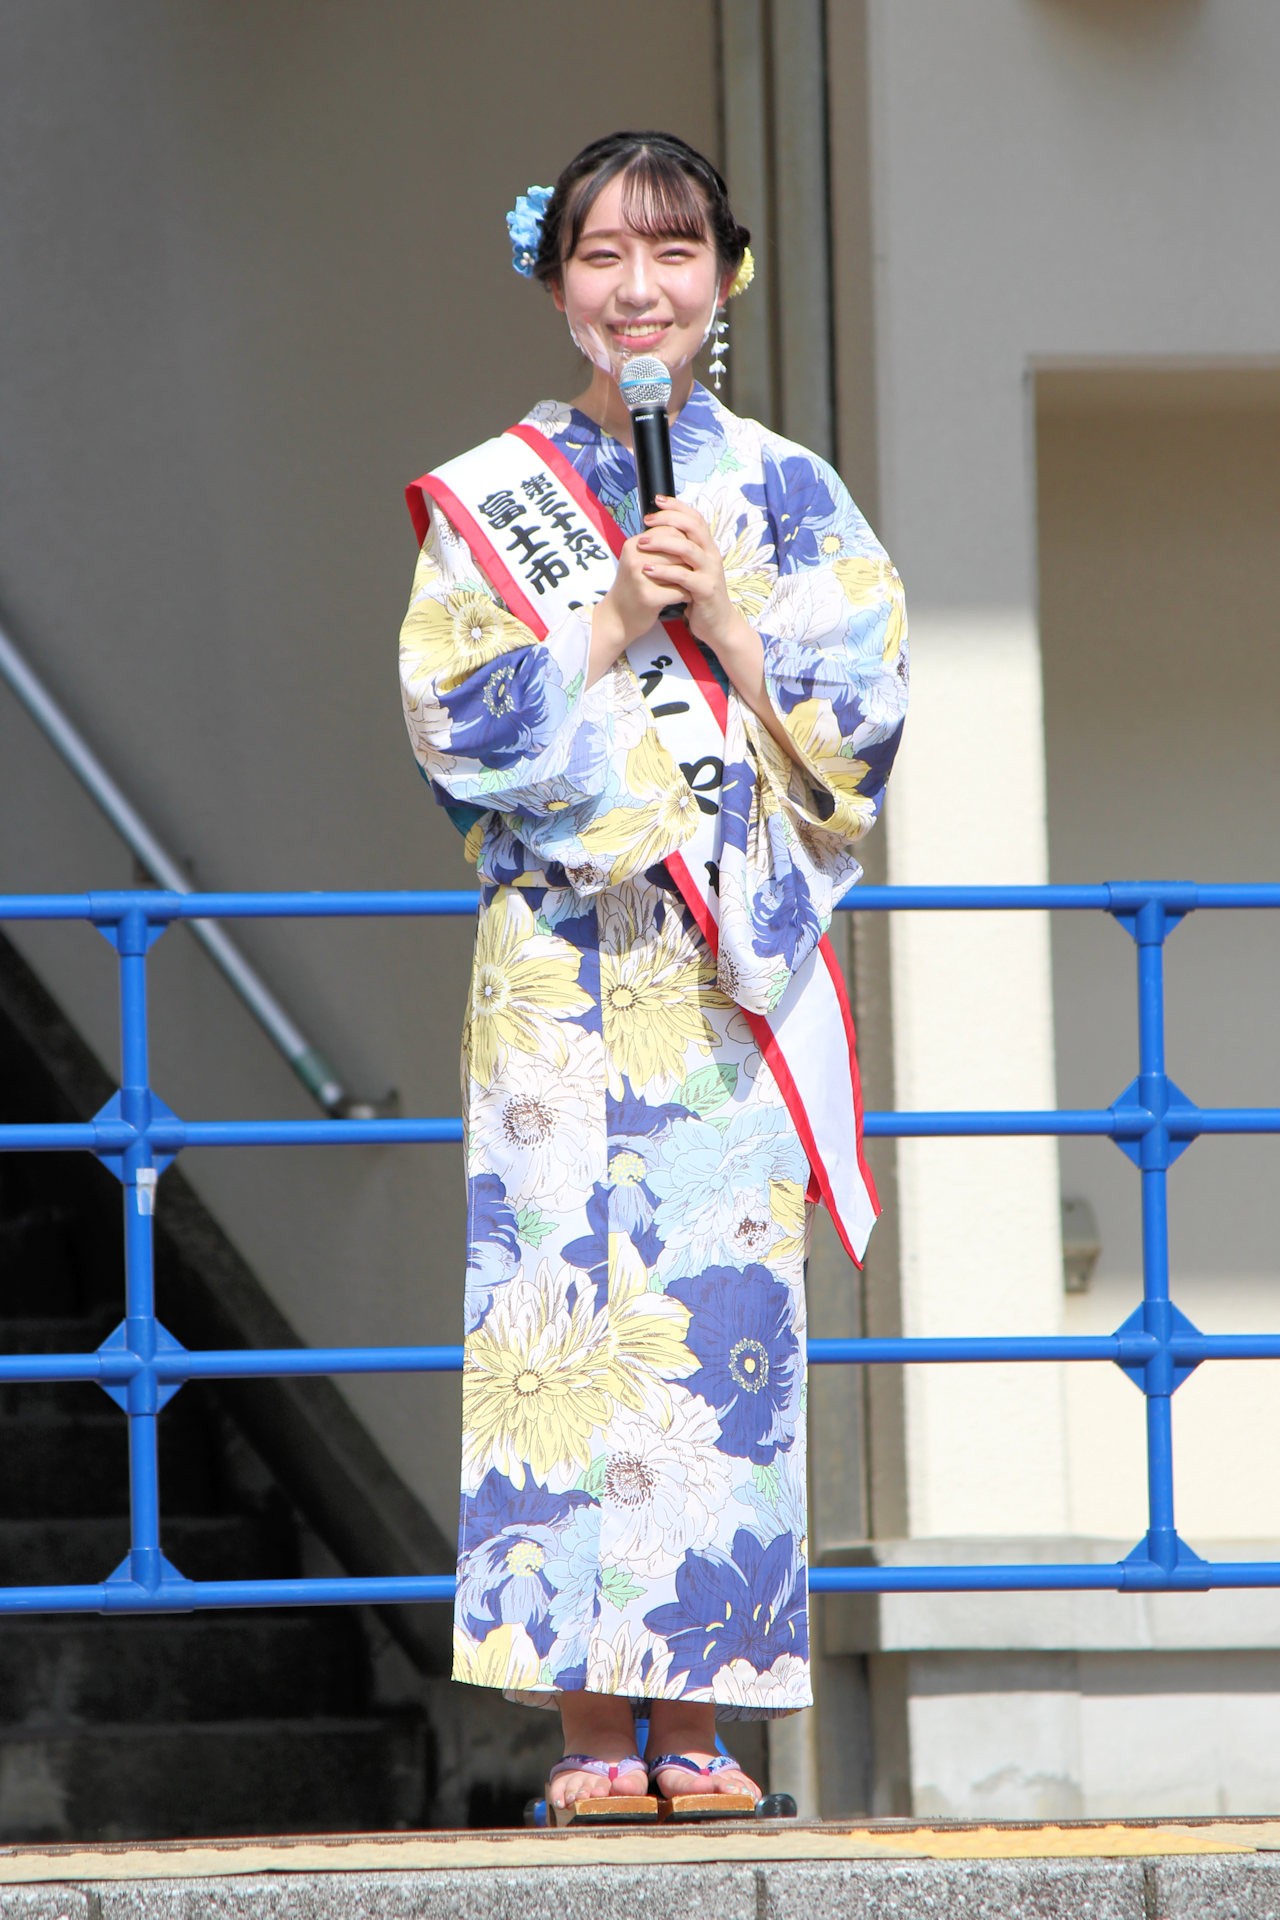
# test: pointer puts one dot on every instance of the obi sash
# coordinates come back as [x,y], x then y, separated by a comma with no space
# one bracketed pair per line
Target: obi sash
[547,547]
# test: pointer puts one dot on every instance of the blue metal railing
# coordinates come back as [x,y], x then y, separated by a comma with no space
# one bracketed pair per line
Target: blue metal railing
[142,1366]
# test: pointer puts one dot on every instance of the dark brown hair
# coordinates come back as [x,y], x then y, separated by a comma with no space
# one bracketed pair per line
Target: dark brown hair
[669,188]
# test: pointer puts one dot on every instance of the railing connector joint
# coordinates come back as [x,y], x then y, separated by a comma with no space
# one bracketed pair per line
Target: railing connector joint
[127,921]
[1162,1562]
[142,1390]
[1149,910]
[1161,1374]
[146,1582]
[138,1109]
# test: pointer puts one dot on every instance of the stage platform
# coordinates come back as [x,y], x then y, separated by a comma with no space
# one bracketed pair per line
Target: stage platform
[1084,1870]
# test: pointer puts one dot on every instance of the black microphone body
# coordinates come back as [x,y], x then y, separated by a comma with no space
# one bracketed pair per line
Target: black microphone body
[651,437]
[651,434]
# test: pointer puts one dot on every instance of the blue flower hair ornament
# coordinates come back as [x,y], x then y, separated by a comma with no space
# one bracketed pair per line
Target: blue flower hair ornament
[524,224]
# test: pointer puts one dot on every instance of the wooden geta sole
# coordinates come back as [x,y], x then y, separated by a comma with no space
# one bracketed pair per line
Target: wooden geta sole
[609,1810]
[707,1806]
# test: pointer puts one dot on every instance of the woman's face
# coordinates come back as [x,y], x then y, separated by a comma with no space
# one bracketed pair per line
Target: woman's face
[624,292]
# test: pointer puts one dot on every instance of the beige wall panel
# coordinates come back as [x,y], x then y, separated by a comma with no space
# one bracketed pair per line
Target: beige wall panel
[253,278]
[1160,580]
[1050,181]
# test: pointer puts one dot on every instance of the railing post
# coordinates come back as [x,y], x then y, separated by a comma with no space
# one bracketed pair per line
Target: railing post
[133,934]
[1150,928]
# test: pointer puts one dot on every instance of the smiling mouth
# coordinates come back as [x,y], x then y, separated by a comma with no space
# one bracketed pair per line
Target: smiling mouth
[638,329]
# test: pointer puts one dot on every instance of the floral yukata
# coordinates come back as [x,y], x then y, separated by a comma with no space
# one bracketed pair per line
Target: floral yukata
[633,1472]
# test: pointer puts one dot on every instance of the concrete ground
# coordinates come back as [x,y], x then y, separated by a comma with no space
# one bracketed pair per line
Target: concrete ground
[1134,1870]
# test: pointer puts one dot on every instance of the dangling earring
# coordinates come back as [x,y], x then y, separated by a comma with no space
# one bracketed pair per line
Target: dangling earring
[719,346]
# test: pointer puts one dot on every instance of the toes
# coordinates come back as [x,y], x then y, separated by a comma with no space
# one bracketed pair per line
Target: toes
[673,1781]
[579,1786]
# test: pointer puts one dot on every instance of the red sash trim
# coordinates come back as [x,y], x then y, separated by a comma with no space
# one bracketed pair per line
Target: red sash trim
[430,487]
[775,1059]
[609,530]
[499,577]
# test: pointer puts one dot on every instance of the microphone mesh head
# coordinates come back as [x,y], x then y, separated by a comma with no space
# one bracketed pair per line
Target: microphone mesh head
[644,382]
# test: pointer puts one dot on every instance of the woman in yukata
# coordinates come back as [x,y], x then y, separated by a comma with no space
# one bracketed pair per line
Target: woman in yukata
[657,1063]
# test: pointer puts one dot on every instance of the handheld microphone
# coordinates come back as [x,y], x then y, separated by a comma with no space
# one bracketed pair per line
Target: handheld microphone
[645,386]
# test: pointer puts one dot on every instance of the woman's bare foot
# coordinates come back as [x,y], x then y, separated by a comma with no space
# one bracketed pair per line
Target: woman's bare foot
[676,1726]
[601,1725]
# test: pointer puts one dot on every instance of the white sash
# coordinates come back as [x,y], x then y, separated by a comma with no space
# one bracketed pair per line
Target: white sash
[547,546]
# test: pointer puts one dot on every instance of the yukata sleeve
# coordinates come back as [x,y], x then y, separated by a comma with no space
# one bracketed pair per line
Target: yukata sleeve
[503,723]
[834,634]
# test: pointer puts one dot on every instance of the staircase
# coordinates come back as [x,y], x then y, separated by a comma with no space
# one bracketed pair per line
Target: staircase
[177,1725]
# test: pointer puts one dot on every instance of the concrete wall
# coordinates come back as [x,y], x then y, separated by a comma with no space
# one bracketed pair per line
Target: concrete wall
[1058,186]
[1160,580]
[253,278]
[1052,183]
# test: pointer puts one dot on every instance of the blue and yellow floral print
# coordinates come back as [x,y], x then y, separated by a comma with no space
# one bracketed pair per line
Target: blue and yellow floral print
[633,1511]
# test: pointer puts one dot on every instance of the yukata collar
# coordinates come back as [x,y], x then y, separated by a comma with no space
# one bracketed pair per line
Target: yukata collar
[701,412]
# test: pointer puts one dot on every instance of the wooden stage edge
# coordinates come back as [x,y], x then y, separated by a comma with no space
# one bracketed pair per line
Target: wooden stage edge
[628,1846]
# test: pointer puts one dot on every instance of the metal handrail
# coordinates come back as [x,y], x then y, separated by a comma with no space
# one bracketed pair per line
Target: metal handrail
[141,1365]
[307,1061]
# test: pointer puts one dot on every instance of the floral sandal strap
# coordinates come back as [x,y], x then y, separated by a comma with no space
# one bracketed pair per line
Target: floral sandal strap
[587,1763]
[717,1764]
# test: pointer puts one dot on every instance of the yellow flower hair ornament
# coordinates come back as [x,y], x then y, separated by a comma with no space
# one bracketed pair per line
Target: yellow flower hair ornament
[744,276]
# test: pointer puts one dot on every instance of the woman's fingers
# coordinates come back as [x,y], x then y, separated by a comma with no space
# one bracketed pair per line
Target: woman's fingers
[668,543]
[689,565]
[688,520]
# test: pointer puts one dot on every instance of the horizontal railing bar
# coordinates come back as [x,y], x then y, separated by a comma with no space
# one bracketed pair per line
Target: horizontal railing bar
[118,1366]
[1116,1576]
[1130,1124]
[443,903]
[53,1369]
[1188,1349]
[1112,896]
[1128,1350]
[162,906]
[81,1136]
[45,906]
[998,899]
[336,1591]
[194,1596]
[82,1599]
[240,1364]
[1032,1578]
[170,1135]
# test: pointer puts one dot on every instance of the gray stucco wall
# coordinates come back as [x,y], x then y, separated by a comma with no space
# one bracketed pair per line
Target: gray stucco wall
[253,278]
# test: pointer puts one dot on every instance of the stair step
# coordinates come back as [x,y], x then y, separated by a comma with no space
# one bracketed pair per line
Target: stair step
[55,1465]
[112,1782]
[59,1332]
[38,1265]
[217,1547]
[180,1667]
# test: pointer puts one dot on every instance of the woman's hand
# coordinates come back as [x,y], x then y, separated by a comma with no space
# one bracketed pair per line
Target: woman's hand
[681,556]
[674,559]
